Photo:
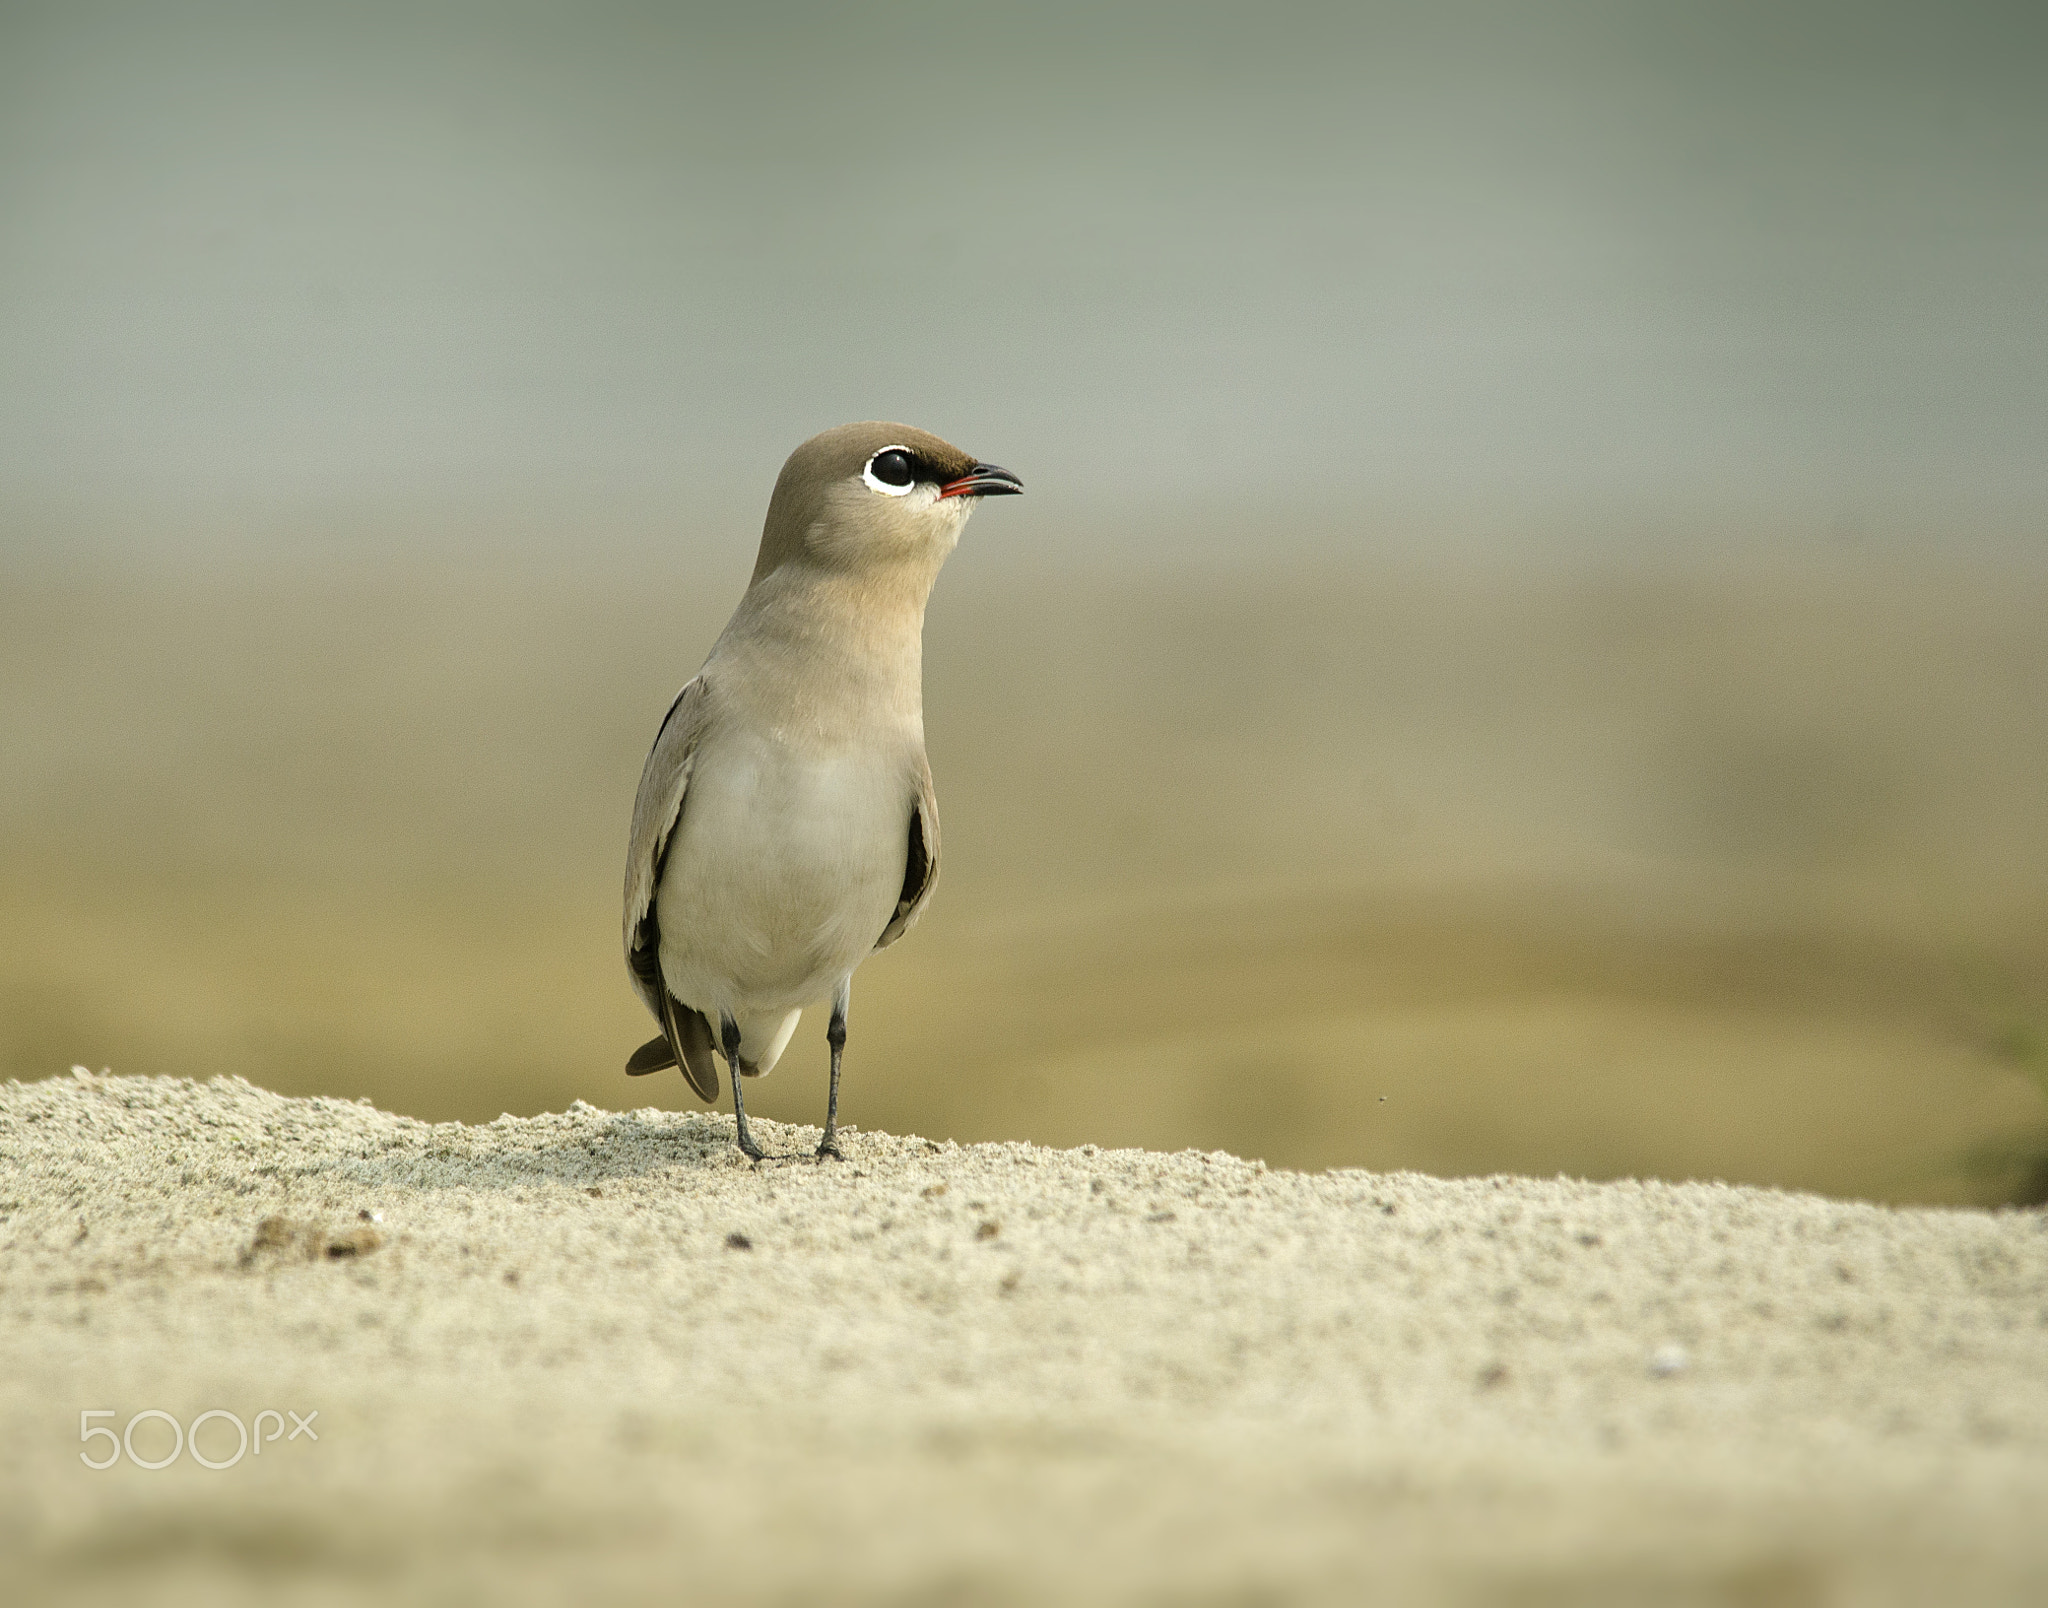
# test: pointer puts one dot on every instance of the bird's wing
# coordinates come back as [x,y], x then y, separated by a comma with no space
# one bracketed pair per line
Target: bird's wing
[689,1038]
[656,809]
[921,866]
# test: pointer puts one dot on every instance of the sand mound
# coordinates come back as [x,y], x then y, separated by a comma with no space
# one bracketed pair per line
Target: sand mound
[599,1350]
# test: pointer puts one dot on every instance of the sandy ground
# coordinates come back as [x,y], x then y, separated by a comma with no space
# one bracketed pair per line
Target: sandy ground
[600,1350]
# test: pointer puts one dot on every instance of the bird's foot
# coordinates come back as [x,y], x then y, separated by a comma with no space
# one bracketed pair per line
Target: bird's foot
[748,1148]
[828,1148]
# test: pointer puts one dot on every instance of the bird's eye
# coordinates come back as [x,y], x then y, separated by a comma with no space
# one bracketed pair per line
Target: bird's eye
[891,471]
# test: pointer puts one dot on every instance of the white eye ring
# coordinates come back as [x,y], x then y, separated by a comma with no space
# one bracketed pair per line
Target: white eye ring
[867,473]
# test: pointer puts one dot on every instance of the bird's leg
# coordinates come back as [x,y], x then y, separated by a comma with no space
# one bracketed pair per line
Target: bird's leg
[731,1032]
[835,1035]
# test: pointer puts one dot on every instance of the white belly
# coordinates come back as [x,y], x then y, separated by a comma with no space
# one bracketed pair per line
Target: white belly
[782,874]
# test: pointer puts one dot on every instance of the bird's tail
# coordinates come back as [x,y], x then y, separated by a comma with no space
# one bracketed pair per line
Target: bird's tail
[685,1042]
[653,1056]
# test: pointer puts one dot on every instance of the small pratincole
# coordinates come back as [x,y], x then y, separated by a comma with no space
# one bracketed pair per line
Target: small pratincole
[786,827]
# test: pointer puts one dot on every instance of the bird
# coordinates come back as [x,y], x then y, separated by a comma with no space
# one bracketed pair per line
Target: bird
[786,826]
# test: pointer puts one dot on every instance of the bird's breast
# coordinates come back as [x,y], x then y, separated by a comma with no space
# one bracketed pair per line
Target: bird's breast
[785,867]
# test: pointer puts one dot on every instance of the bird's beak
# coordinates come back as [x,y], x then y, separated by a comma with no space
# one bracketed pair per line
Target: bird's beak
[983,480]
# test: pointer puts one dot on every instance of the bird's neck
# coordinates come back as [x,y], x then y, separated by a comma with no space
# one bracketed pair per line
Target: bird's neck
[841,647]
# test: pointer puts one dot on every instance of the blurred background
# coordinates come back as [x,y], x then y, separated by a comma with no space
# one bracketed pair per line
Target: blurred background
[1526,647]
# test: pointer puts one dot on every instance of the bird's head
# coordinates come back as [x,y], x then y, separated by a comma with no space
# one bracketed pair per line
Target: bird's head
[873,495]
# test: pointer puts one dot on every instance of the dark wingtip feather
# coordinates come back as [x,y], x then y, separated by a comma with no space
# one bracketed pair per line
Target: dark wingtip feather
[690,1036]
